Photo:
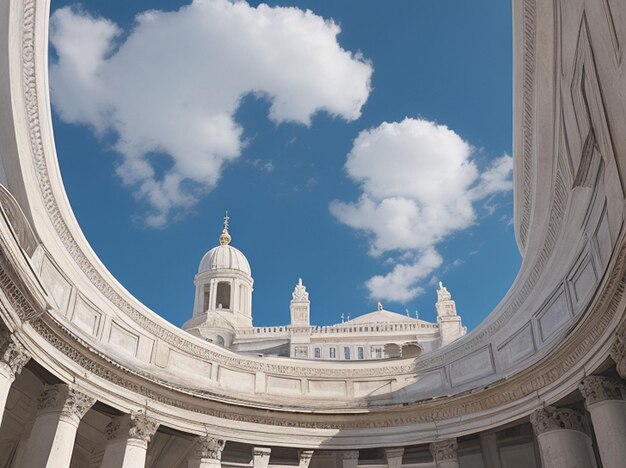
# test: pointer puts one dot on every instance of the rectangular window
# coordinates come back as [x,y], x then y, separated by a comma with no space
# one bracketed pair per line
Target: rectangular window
[361,352]
[318,353]
[346,353]
[333,353]
[377,352]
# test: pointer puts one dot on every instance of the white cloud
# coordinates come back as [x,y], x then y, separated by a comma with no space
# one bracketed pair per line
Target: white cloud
[419,185]
[173,85]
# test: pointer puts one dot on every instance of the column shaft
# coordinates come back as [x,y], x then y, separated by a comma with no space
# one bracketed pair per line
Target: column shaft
[261,457]
[128,441]
[489,449]
[563,438]
[13,357]
[51,440]
[603,399]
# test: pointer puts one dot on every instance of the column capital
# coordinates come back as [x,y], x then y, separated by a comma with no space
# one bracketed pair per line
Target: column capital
[305,458]
[13,354]
[596,388]
[133,426]
[209,447]
[556,419]
[618,353]
[69,401]
[444,450]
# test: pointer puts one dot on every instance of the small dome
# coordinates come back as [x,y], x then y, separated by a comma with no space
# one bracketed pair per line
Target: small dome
[222,257]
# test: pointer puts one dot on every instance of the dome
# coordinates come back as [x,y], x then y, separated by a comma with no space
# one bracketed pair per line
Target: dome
[382,316]
[224,257]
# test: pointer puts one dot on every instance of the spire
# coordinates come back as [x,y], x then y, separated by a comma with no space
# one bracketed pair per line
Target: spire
[225,236]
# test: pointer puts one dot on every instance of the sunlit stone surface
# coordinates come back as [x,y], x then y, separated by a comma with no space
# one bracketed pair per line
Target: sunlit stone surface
[90,377]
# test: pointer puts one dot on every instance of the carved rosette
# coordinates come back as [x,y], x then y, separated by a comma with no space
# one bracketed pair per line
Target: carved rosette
[13,354]
[444,450]
[618,354]
[210,447]
[597,388]
[70,402]
[557,419]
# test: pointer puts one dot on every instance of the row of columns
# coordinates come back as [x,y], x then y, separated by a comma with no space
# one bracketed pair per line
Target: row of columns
[564,434]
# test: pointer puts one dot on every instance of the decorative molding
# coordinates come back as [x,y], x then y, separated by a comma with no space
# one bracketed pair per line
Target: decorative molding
[596,388]
[444,450]
[13,354]
[209,447]
[527,382]
[69,401]
[557,419]
[529,17]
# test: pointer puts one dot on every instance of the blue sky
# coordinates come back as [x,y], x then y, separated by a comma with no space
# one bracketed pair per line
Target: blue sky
[165,122]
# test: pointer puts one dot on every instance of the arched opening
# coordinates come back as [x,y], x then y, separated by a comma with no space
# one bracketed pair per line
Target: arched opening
[222,298]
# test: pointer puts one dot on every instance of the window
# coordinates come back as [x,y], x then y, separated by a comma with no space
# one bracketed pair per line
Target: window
[333,352]
[346,353]
[318,353]
[377,352]
[360,352]
[222,301]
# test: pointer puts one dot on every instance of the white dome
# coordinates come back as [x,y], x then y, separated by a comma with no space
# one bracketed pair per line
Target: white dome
[224,257]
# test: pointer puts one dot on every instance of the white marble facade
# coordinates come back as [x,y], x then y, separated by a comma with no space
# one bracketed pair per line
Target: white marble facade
[90,377]
[222,314]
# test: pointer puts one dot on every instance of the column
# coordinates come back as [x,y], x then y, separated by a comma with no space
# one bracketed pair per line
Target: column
[13,358]
[563,438]
[261,457]
[128,438]
[489,449]
[305,458]
[603,400]
[350,459]
[618,353]
[51,440]
[444,453]
[394,457]
[208,453]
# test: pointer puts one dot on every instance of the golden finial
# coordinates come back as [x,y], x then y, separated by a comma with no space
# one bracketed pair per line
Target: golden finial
[225,237]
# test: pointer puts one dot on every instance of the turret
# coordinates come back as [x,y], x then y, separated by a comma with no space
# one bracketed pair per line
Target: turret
[450,327]
[223,300]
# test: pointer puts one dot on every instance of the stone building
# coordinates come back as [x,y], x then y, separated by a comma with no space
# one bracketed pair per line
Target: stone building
[90,377]
[222,314]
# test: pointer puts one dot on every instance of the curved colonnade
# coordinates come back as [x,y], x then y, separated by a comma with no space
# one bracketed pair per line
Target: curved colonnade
[91,377]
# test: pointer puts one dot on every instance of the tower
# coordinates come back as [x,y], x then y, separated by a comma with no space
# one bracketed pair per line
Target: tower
[300,328]
[450,327]
[223,299]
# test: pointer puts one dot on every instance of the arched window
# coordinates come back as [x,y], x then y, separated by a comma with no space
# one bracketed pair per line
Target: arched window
[222,299]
